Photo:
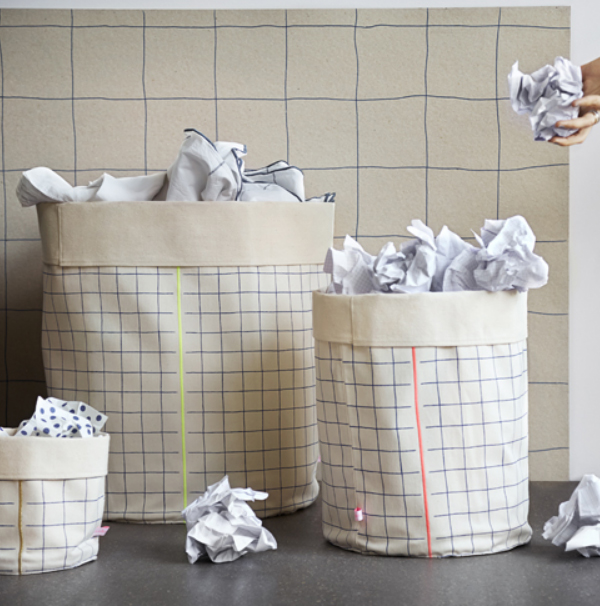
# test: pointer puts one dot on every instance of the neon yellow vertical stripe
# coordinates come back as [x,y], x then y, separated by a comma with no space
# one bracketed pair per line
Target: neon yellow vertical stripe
[180,328]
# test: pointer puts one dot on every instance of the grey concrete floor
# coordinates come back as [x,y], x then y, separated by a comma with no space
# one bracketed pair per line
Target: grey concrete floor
[147,566]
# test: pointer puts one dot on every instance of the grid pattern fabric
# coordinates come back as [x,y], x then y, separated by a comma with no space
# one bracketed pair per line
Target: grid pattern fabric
[47,525]
[404,113]
[111,338]
[440,473]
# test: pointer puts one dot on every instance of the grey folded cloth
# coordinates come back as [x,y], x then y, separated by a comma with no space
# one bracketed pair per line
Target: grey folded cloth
[203,170]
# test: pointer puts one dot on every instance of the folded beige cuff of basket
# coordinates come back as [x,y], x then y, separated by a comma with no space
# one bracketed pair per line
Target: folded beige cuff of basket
[33,458]
[185,234]
[429,319]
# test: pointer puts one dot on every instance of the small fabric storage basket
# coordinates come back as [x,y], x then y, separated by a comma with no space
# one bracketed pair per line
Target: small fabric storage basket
[422,412]
[51,501]
[190,325]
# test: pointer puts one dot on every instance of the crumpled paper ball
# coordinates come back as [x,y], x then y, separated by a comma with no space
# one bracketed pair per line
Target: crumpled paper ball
[578,521]
[410,269]
[547,96]
[351,269]
[504,261]
[222,525]
[413,267]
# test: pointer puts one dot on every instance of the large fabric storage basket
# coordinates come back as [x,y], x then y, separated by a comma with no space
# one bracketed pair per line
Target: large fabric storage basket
[422,412]
[190,325]
[51,501]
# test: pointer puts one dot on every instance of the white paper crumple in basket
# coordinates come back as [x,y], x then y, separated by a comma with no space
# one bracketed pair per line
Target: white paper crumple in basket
[410,269]
[203,170]
[54,418]
[578,521]
[222,525]
[547,95]
[504,261]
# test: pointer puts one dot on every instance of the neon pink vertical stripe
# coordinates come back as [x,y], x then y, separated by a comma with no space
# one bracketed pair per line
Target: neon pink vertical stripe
[425,502]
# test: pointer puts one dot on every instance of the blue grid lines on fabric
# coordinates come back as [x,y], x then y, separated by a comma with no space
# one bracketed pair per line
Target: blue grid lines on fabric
[325,376]
[380,386]
[11,506]
[62,510]
[495,415]
[125,382]
[523,360]
[383,482]
[248,336]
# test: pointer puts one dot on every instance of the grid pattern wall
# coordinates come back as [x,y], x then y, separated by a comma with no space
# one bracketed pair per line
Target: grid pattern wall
[404,113]
[442,474]
[47,525]
[111,338]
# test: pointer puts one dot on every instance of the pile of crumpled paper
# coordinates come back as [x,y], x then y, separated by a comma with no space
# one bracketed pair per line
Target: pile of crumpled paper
[578,521]
[221,524]
[547,96]
[504,260]
[203,170]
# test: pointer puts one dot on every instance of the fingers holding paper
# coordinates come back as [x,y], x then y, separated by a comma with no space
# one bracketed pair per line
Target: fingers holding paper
[589,105]
[579,137]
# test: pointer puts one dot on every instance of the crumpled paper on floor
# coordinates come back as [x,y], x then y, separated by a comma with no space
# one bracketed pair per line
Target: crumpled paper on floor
[504,261]
[203,170]
[221,525]
[54,418]
[547,96]
[578,521]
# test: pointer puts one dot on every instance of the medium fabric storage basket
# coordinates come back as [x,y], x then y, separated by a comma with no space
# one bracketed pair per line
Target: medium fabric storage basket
[51,501]
[422,413]
[190,325]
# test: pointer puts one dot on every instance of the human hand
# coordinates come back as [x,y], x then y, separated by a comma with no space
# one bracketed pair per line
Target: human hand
[589,104]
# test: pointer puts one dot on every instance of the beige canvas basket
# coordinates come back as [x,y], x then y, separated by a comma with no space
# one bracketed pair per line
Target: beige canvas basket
[51,501]
[190,325]
[422,413]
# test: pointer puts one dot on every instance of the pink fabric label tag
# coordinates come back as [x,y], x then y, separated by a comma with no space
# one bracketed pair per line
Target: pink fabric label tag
[101,531]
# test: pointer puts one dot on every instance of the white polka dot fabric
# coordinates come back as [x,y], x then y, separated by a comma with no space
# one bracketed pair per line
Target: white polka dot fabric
[56,418]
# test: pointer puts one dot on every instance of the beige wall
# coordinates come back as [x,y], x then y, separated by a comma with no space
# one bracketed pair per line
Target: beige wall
[402,112]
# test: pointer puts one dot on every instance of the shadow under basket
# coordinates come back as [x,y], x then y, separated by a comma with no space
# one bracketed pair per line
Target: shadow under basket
[422,413]
[51,501]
